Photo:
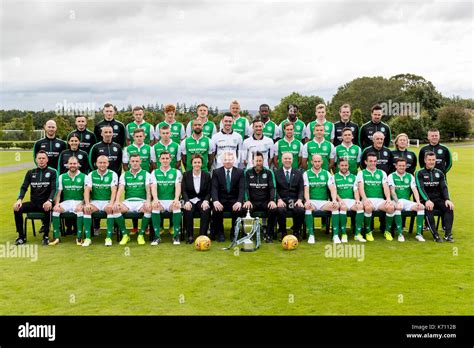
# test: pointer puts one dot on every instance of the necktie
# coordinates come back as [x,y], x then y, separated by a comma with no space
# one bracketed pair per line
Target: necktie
[227,180]
[287,174]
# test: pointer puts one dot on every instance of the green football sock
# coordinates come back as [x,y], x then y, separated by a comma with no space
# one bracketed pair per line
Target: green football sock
[156,220]
[335,223]
[420,218]
[308,219]
[176,224]
[110,225]
[87,225]
[359,221]
[388,221]
[343,221]
[145,222]
[56,223]
[368,222]
[80,224]
[398,221]
[121,223]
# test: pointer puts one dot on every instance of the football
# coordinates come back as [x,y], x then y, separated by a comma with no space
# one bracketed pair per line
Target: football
[202,243]
[289,242]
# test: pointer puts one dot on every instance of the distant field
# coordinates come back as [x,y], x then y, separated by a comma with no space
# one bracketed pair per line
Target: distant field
[13,157]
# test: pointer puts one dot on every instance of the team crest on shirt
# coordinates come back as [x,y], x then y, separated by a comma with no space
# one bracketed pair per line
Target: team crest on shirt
[350,179]
[47,175]
[264,176]
[298,127]
[234,141]
[57,145]
[114,148]
[439,151]
[352,128]
[79,180]
[140,177]
[206,128]
[407,181]
[323,177]
[87,136]
[437,175]
[377,176]
[326,127]
[353,151]
[170,176]
[144,151]
[115,127]
[324,148]
[175,127]
[409,156]
[382,129]
[80,156]
[385,153]
[203,143]
[106,180]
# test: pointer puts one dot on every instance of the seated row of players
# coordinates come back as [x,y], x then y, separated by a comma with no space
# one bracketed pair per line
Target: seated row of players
[235,190]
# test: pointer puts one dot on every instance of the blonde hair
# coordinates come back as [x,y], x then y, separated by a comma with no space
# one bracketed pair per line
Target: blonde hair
[234,102]
[399,136]
[320,106]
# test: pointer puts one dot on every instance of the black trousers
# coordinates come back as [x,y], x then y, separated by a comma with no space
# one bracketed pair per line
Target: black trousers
[218,218]
[271,213]
[298,218]
[204,216]
[447,217]
[31,207]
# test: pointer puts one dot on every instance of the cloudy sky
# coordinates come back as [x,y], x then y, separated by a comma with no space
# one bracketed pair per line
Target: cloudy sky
[140,52]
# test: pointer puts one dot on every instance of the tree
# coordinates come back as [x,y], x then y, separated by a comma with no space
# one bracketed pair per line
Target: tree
[364,92]
[28,126]
[453,122]
[306,106]
[417,89]
[357,117]
[415,128]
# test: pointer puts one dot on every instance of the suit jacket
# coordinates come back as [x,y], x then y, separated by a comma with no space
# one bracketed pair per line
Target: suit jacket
[219,190]
[293,190]
[187,187]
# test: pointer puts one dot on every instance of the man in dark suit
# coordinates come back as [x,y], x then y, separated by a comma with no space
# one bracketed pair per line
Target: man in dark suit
[227,194]
[290,195]
[196,192]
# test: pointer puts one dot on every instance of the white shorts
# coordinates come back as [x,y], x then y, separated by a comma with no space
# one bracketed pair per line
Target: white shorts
[167,206]
[318,204]
[133,206]
[349,203]
[100,204]
[406,204]
[376,202]
[69,206]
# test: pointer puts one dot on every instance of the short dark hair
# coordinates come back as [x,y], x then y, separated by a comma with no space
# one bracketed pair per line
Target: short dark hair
[256,120]
[107,105]
[433,130]
[228,114]
[345,129]
[194,156]
[293,106]
[41,151]
[375,107]
[400,159]
[165,126]
[134,155]
[429,153]
[371,154]
[81,115]
[137,108]
[343,159]
[165,153]
[264,106]
[257,153]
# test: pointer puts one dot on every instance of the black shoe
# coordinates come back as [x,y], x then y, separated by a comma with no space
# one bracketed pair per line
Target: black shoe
[449,238]
[45,241]
[437,238]
[43,229]
[269,240]
[20,241]
[190,241]
[221,238]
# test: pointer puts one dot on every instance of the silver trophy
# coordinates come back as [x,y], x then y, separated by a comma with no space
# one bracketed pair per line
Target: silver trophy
[251,227]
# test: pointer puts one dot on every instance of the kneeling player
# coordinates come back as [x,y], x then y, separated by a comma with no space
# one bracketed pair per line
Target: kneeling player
[316,184]
[349,199]
[373,188]
[71,186]
[401,185]
[100,191]
[136,185]
[166,190]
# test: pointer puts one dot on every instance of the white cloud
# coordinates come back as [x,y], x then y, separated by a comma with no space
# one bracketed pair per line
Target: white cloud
[134,53]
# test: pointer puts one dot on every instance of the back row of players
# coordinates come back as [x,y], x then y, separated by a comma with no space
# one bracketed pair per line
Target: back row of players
[148,144]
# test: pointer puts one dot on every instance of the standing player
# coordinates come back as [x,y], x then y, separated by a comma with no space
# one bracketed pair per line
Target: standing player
[86,137]
[320,113]
[317,182]
[227,140]
[288,144]
[373,188]
[99,194]
[107,147]
[374,125]
[299,126]
[136,185]
[345,122]
[73,151]
[208,127]
[384,155]
[257,143]
[166,144]
[166,191]
[71,187]
[349,151]
[139,147]
[176,128]
[349,199]
[401,144]
[402,184]
[139,122]
[118,128]
[50,144]
[197,143]
[241,124]
[321,147]
[444,160]
[270,128]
